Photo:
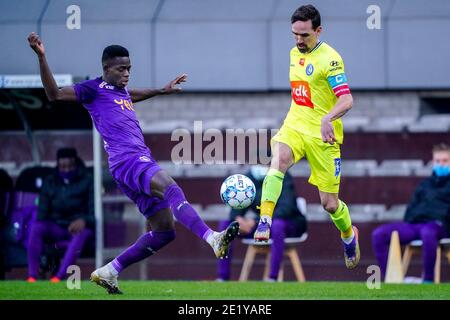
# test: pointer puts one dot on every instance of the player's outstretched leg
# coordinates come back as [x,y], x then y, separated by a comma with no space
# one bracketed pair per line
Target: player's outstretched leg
[340,216]
[271,190]
[272,186]
[163,232]
[164,186]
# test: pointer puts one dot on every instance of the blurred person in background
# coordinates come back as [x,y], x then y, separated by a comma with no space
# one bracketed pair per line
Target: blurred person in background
[427,216]
[288,222]
[65,213]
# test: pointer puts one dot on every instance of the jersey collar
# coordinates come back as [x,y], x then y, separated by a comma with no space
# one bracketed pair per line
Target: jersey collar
[316,47]
[313,49]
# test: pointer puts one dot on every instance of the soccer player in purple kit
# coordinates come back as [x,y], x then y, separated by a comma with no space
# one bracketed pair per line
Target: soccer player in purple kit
[158,197]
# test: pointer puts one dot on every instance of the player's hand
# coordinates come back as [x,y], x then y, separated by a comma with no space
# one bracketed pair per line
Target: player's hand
[171,87]
[76,226]
[327,131]
[36,44]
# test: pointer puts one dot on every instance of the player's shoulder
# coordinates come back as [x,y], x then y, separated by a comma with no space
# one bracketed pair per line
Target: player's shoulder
[92,83]
[329,52]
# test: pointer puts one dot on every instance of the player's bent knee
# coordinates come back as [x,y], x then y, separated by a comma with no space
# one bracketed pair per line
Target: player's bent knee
[281,163]
[330,206]
[160,182]
[166,236]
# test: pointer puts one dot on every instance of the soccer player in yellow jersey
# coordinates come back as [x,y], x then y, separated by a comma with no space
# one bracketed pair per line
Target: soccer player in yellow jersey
[312,129]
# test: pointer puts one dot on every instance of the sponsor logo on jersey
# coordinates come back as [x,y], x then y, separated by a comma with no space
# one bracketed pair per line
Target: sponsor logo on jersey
[335,69]
[301,94]
[334,63]
[309,69]
[124,104]
[337,167]
[105,85]
[302,61]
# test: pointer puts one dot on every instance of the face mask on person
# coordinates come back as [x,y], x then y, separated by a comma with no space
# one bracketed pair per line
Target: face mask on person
[441,171]
[259,172]
[67,176]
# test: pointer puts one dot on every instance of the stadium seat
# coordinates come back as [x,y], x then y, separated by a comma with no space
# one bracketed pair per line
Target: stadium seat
[396,168]
[316,212]
[357,167]
[355,123]
[389,124]
[424,171]
[290,251]
[365,212]
[415,247]
[164,126]
[216,170]
[397,266]
[431,123]
[258,123]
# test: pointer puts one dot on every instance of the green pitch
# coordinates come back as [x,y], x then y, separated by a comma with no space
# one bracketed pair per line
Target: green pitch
[202,290]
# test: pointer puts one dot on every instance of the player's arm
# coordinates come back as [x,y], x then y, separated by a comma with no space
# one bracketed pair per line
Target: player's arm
[143,94]
[337,80]
[343,104]
[51,89]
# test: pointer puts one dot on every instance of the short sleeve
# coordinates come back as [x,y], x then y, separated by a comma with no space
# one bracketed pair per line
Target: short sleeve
[86,91]
[335,75]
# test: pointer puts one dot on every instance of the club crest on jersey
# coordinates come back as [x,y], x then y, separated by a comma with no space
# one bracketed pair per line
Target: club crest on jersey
[337,167]
[144,159]
[301,93]
[309,69]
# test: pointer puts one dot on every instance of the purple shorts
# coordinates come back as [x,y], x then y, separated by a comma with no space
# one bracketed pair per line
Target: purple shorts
[134,177]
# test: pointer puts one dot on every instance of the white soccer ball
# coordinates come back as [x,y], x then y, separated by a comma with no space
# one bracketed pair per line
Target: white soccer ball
[238,191]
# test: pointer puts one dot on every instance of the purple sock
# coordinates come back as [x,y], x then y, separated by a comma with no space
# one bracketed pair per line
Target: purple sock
[144,247]
[184,212]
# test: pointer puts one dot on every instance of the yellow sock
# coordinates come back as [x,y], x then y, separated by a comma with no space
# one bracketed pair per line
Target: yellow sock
[347,233]
[342,221]
[271,190]
[267,208]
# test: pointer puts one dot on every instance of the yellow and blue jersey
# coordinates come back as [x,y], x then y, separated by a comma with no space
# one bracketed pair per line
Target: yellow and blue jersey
[317,80]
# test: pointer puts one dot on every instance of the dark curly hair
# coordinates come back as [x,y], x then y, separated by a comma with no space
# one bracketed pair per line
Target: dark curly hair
[305,13]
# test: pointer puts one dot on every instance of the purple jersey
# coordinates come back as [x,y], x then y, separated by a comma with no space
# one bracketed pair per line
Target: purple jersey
[113,115]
